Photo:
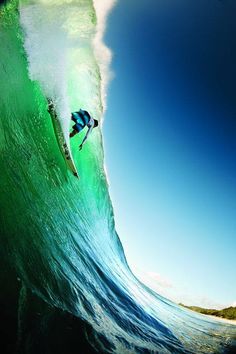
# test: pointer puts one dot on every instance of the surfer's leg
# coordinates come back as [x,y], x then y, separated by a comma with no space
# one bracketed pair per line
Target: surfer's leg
[73,133]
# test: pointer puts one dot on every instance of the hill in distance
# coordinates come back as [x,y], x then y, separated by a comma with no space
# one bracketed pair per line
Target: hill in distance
[228,313]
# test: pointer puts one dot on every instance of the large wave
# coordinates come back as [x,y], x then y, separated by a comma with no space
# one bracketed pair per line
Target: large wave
[57,233]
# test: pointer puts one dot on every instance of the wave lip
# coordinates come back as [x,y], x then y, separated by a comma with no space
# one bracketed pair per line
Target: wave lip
[102,52]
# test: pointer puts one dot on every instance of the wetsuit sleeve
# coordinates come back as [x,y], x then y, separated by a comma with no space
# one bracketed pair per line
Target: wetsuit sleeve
[90,128]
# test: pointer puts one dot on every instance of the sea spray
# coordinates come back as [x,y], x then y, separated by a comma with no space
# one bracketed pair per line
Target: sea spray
[66,54]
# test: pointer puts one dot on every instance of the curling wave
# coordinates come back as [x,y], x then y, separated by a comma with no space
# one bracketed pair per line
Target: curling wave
[57,233]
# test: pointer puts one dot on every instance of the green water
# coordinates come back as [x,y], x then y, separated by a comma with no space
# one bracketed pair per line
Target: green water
[40,199]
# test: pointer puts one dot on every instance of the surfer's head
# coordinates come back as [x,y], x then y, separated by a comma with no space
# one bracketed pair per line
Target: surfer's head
[95,123]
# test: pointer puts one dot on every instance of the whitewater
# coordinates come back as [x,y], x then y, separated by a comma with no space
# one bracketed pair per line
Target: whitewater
[73,291]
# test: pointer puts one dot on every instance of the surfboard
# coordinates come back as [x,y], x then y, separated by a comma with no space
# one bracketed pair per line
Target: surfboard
[65,150]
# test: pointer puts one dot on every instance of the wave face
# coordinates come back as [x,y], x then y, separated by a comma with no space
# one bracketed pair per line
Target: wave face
[57,233]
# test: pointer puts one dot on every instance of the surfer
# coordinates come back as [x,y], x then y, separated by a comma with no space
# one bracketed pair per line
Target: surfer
[82,119]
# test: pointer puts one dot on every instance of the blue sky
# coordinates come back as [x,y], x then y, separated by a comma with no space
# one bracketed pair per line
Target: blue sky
[170,144]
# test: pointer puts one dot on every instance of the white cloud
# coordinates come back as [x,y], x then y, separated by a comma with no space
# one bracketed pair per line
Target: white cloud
[156,278]
[177,293]
[156,282]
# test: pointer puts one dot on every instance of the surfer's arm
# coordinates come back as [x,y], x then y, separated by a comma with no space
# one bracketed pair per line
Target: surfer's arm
[91,125]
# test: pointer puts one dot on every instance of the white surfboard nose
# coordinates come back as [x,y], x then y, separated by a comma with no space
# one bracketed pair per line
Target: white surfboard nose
[65,149]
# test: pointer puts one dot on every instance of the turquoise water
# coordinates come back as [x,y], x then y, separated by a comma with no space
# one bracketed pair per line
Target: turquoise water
[57,232]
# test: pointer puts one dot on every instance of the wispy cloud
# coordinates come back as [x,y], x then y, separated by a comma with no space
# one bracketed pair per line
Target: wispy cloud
[157,278]
[155,281]
[176,292]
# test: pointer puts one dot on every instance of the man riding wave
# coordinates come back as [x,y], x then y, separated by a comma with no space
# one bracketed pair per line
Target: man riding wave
[82,119]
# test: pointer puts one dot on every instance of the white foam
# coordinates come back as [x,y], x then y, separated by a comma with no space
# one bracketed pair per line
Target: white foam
[64,49]
[102,52]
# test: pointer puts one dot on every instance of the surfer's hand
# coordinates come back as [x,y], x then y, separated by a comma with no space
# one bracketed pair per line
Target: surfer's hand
[80,147]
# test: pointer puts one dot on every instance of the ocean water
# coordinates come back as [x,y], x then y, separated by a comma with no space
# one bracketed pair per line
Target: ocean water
[66,285]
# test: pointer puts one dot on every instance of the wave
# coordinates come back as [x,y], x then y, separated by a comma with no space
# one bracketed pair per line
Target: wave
[57,233]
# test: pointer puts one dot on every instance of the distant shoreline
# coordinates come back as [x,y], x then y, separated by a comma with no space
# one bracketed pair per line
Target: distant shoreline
[221,319]
[227,315]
